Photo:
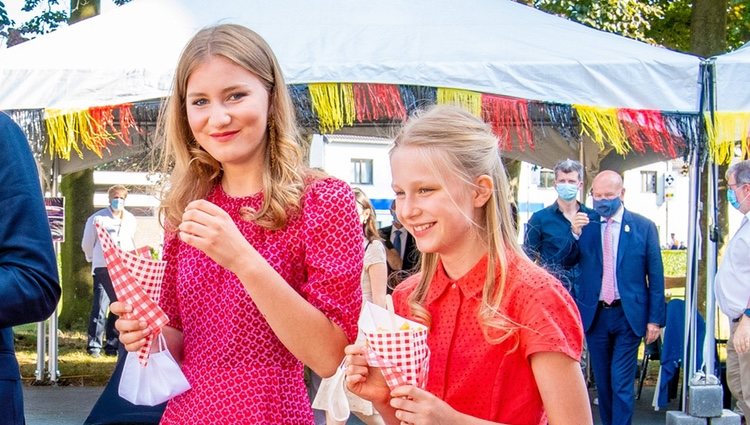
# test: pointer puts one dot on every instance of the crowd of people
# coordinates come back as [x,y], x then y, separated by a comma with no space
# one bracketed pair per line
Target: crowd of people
[269,263]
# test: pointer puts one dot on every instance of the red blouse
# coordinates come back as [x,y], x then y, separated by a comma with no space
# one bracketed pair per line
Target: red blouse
[493,381]
[239,370]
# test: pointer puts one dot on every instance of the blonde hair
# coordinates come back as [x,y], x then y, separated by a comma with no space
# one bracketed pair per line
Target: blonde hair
[370,227]
[193,171]
[454,142]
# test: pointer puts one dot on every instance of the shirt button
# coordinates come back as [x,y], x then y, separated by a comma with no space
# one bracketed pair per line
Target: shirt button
[453,286]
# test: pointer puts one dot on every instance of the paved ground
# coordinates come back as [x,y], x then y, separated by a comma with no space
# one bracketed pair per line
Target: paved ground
[71,406]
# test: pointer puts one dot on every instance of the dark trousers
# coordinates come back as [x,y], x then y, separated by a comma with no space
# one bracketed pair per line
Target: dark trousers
[11,402]
[101,324]
[613,349]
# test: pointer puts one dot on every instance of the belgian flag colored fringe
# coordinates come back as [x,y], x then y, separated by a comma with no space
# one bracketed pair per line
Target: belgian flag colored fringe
[378,102]
[469,100]
[416,97]
[65,128]
[31,122]
[646,128]
[504,114]
[334,105]
[724,131]
[303,106]
[602,124]
[94,127]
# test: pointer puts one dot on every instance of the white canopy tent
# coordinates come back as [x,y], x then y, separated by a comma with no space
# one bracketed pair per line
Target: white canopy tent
[489,46]
[733,80]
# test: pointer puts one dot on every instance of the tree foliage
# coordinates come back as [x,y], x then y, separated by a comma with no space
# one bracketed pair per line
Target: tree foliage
[48,15]
[663,22]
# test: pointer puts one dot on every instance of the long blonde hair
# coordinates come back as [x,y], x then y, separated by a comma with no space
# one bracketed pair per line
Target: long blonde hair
[453,141]
[193,171]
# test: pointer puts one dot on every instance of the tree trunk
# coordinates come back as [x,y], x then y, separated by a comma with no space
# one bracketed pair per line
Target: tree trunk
[708,29]
[78,190]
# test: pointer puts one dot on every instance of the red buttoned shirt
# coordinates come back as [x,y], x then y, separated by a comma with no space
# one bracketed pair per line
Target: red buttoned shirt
[494,381]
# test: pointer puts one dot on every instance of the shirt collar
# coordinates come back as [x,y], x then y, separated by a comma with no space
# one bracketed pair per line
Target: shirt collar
[617,218]
[470,284]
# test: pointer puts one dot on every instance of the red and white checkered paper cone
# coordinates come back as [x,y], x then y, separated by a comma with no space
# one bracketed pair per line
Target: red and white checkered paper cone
[402,356]
[137,279]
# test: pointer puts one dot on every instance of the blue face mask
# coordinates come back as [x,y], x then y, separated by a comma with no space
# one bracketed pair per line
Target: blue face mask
[117,204]
[732,198]
[567,191]
[607,207]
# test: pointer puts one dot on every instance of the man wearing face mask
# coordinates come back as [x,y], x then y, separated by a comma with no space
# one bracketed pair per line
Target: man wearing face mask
[620,294]
[121,225]
[550,233]
[732,288]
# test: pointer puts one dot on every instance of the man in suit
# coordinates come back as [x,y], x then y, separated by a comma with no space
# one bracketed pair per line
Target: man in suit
[401,250]
[29,285]
[620,294]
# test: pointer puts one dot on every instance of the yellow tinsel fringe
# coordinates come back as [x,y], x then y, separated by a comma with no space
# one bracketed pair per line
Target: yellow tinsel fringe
[334,105]
[724,131]
[602,124]
[469,100]
[66,128]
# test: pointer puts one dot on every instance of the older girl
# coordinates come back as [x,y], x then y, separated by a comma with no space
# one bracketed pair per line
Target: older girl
[262,273]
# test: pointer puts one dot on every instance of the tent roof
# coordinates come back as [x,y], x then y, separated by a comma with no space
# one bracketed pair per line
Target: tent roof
[491,46]
[733,80]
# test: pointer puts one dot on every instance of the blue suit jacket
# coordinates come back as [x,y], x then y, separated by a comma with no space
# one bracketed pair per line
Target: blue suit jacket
[639,268]
[29,285]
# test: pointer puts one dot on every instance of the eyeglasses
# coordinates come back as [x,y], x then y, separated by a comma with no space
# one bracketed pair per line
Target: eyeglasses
[733,185]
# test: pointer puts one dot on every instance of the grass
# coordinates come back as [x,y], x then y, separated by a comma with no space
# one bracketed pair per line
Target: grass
[76,367]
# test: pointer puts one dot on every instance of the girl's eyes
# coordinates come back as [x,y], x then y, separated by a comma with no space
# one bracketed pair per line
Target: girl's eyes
[232,97]
[424,190]
[237,96]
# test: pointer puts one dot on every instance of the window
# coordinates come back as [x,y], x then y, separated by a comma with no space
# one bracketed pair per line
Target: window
[648,181]
[361,171]
[546,179]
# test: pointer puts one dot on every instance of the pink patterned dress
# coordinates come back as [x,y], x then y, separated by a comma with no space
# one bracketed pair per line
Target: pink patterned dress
[239,371]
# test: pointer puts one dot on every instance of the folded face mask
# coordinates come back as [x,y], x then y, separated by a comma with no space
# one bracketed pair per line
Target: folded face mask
[160,380]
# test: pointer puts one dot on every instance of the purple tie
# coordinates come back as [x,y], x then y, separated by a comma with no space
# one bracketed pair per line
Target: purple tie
[608,275]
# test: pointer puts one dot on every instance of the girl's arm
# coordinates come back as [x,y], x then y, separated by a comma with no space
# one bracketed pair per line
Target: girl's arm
[303,329]
[378,273]
[562,388]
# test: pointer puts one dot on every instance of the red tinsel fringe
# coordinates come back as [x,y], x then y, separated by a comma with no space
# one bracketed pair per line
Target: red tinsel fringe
[377,102]
[645,127]
[504,113]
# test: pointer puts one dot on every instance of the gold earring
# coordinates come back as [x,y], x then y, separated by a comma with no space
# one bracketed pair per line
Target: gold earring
[272,140]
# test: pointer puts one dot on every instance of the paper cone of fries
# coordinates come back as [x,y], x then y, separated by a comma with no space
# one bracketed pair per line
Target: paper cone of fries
[136,278]
[396,345]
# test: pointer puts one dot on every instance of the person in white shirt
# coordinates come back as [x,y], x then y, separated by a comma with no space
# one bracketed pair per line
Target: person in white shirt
[121,226]
[732,288]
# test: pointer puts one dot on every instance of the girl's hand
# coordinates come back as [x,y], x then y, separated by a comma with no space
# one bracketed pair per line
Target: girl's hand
[364,381]
[210,229]
[133,332]
[416,406]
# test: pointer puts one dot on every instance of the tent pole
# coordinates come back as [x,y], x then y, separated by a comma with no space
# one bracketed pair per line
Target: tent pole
[709,347]
[52,365]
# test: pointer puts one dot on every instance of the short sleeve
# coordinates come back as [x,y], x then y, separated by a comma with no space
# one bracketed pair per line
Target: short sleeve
[333,252]
[374,254]
[550,319]
[168,299]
